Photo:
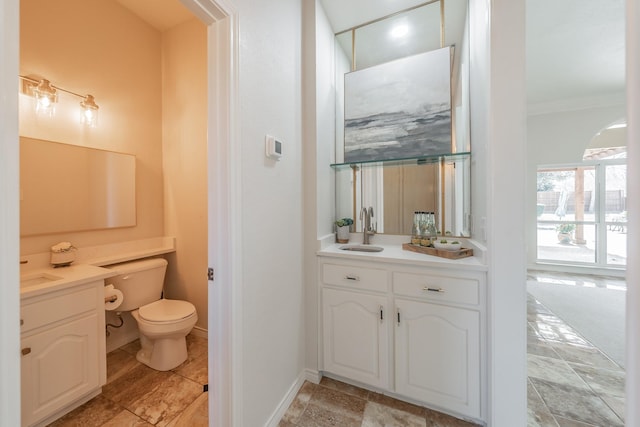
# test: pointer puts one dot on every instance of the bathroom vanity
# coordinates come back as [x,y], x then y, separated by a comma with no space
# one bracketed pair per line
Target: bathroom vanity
[63,357]
[62,326]
[405,324]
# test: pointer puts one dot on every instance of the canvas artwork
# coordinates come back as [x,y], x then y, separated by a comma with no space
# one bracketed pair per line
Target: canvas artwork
[400,109]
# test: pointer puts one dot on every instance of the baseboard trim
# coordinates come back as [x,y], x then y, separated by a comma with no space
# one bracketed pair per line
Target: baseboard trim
[277,415]
[199,332]
[312,376]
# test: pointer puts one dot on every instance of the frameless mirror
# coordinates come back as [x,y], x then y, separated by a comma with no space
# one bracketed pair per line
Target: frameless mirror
[66,188]
[395,190]
[435,183]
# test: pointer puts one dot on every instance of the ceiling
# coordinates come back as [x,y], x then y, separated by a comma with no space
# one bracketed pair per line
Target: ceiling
[575,48]
[160,14]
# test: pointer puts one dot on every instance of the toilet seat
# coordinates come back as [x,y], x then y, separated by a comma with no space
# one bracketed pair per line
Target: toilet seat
[166,311]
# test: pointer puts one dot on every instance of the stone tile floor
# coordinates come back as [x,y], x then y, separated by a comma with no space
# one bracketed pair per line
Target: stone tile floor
[136,395]
[571,383]
[334,403]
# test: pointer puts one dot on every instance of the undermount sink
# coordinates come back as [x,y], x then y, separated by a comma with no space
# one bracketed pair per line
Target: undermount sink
[37,279]
[362,248]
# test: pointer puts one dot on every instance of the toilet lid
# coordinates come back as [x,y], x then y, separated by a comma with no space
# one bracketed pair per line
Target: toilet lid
[166,310]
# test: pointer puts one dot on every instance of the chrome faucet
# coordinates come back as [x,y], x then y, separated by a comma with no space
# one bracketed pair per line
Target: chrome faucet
[367,228]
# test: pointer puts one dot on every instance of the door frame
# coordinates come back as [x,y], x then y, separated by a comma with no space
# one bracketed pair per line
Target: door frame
[9,215]
[223,180]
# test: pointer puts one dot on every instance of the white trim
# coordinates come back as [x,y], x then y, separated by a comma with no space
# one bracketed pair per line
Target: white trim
[576,269]
[199,332]
[9,214]
[208,11]
[224,300]
[282,407]
[632,414]
[313,376]
[505,200]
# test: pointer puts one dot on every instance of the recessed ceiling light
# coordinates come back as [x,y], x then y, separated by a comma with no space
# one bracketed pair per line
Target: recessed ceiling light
[399,31]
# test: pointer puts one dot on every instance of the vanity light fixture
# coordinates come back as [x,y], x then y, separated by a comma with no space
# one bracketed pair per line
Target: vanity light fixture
[46,96]
[89,111]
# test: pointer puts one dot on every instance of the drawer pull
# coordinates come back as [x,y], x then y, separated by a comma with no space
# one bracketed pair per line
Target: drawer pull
[428,289]
[21,322]
[355,278]
[26,351]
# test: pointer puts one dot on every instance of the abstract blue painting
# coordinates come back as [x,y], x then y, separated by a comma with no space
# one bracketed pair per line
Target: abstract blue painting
[399,109]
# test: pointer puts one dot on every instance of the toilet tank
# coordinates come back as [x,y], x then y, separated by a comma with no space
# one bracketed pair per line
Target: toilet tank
[139,281]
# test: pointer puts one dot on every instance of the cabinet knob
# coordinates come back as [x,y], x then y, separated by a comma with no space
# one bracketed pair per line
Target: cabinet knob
[26,351]
[21,322]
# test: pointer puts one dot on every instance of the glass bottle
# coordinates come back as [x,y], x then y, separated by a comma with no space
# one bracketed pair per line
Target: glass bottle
[432,231]
[424,230]
[415,230]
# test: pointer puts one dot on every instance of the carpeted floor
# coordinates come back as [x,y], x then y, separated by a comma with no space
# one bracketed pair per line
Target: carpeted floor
[594,306]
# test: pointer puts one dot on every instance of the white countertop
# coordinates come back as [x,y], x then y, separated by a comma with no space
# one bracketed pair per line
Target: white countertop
[393,253]
[62,277]
[87,265]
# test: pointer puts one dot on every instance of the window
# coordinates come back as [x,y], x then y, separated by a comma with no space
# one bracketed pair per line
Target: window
[581,211]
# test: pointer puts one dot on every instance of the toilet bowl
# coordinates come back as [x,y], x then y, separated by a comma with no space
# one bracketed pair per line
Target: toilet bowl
[163,324]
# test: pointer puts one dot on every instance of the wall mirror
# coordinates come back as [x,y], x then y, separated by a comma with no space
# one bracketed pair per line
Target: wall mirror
[397,188]
[66,188]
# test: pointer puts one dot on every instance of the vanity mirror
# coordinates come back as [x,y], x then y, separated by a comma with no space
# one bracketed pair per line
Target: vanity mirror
[398,186]
[67,188]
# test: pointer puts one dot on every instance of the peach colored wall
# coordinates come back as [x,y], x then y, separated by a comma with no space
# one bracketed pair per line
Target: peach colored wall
[101,48]
[184,144]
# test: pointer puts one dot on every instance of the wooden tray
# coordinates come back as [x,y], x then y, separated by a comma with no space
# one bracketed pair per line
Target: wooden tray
[462,253]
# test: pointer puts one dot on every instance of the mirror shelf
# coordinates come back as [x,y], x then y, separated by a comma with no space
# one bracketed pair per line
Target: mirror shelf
[405,161]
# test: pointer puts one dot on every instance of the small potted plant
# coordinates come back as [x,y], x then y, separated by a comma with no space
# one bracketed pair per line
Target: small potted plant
[565,232]
[343,227]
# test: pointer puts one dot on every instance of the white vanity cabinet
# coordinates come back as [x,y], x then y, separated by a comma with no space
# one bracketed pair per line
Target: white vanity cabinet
[437,340]
[355,329]
[414,331]
[63,359]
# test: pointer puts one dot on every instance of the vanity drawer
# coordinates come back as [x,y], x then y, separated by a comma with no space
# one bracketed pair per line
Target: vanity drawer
[370,279]
[437,288]
[60,306]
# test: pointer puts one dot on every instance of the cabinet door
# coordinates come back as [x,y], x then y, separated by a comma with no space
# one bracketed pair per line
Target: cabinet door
[58,366]
[356,336]
[438,355]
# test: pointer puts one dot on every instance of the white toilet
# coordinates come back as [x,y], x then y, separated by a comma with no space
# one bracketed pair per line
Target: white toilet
[163,323]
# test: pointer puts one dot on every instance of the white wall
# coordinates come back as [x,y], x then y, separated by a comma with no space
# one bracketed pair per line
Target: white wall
[319,137]
[272,205]
[184,165]
[560,137]
[326,123]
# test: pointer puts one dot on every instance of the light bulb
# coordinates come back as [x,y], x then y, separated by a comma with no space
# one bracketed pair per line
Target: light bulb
[46,96]
[399,31]
[89,111]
